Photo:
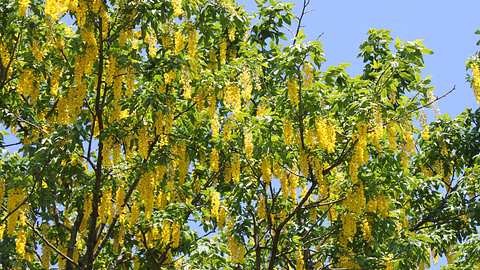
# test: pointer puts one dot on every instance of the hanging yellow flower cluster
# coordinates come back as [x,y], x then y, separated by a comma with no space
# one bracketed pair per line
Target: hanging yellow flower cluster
[355,200]
[163,126]
[409,140]
[176,228]
[193,37]
[308,75]
[232,97]
[4,55]
[293,181]
[248,143]
[27,85]
[349,228]
[22,7]
[87,209]
[392,136]
[261,207]
[146,187]
[177,8]
[214,160]
[105,209]
[292,91]
[326,134]
[214,204]
[348,262]
[476,81]
[360,153]
[266,170]
[222,214]
[182,161]
[179,42]
[170,232]
[55,81]
[151,41]
[379,204]
[37,51]
[300,264]
[237,250]
[69,106]
[223,51]
[366,230]
[143,141]
[2,189]
[20,243]
[15,198]
[235,167]
[246,83]
[215,125]
[378,130]
[355,205]
[119,199]
[287,132]
[55,8]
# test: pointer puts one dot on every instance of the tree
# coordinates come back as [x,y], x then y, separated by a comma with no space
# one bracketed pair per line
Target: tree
[194,135]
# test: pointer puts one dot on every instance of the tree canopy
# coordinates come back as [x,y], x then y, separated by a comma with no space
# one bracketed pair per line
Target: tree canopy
[192,134]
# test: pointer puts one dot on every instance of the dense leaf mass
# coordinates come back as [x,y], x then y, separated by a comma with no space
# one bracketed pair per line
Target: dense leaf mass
[191,134]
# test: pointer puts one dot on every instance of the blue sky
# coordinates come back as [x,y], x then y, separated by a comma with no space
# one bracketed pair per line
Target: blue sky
[447,28]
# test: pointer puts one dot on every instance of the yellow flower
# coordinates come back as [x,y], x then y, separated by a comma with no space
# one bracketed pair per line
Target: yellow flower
[476,81]
[221,217]
[223,51]
[152,42]
[349,227]
[266,170]
[20,243]
[15,197]
[231,33]
[366,230]
[246,83]
[192,43]
[300,264]
[143,142]
[87,208]
[37,51]
[236,249]
[214,160]
[166,232]
[55,8]
[248,142]
[214,204]
[326,134]
[22,7]
[177,8]
[2,189]
[287,132]
[308,79]
[179,41]
[261,207]
[392,136]
[232,97]
[292,91]
[175,235]
[235,167]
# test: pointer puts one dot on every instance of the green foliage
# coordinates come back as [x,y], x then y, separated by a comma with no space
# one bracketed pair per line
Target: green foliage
[194,135]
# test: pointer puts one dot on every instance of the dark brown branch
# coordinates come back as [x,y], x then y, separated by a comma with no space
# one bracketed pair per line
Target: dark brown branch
[434,100]
[92,234]
[70,260]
